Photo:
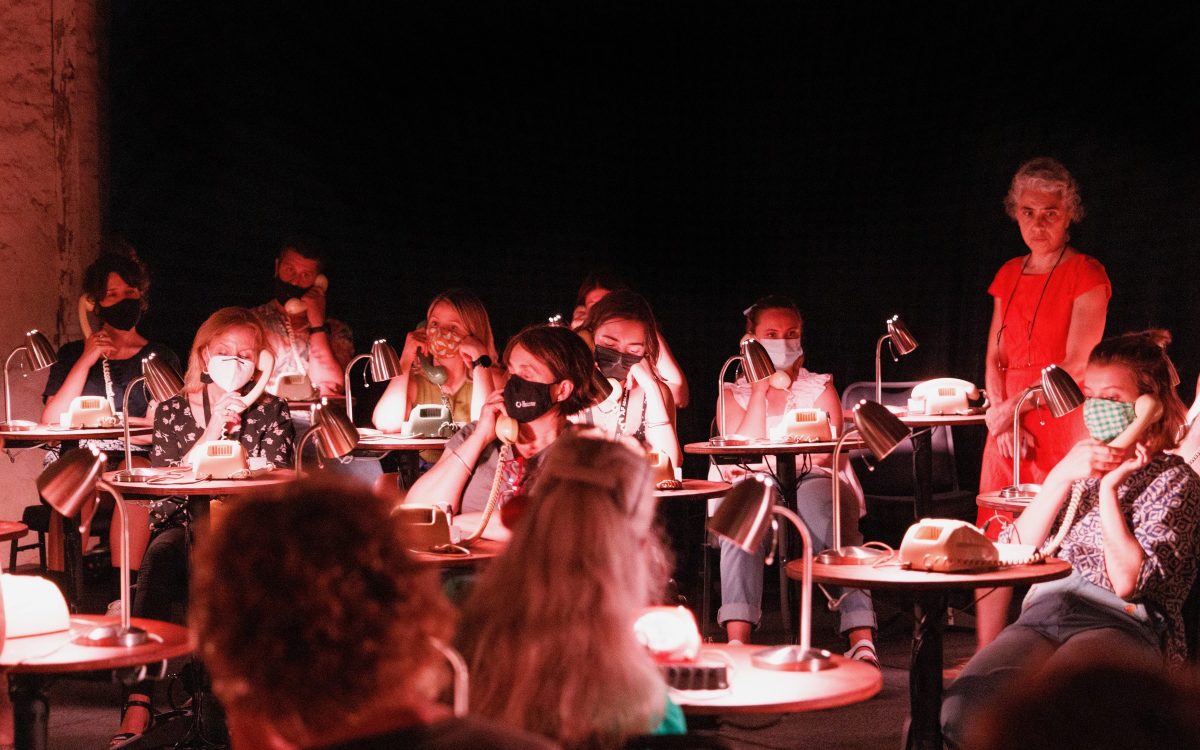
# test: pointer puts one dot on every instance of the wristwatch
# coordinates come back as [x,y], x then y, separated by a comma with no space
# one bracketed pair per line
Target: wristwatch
[482,360]
[317,329]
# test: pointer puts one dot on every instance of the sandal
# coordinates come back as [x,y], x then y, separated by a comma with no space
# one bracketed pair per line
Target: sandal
[123,738]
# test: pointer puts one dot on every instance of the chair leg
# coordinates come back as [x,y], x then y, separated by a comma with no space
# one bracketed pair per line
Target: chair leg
[12,555]
[42,552]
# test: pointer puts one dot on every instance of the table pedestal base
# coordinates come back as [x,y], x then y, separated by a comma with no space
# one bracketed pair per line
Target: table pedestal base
[925,672]
[31,711]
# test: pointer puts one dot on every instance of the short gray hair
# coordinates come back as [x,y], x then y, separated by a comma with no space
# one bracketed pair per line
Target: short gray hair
[1045,173]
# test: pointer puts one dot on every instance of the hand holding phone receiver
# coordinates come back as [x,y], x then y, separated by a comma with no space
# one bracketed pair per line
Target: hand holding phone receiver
[435,374]
[295,306]
[85,306]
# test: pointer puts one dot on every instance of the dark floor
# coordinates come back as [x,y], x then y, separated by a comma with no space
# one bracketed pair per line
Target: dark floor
[84,711]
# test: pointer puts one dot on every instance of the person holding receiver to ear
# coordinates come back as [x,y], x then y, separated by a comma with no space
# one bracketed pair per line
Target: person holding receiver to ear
[1127,514]
[488,463]
[304,341]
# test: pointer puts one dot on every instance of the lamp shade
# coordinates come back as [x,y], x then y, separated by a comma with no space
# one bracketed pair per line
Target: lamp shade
[38,351]
[744,515]
[902,339]
[1060,390]
[756,363]
[69,483]
[385,363]
[161,379]
[336,435]
[879,429]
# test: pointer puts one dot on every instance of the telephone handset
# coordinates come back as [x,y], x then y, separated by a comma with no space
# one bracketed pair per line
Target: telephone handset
[266,365]
[85,306]
[435,374]
[946,396]
[1146,410]
[295,306]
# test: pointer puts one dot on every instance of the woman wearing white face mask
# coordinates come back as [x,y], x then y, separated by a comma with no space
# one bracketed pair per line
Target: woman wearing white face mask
[221,366]
[757,410]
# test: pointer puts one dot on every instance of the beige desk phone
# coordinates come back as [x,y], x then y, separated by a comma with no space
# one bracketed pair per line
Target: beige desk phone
[226,459]
[294,306]
[946,396]
[426,420]
[806,425]
[949,545]
[88,412]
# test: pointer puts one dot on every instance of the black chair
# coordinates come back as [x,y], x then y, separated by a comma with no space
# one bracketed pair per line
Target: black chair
[37,518]
[889,488]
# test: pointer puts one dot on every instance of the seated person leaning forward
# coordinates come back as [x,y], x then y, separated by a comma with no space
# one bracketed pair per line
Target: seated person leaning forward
[758,410]
[551,375]
[221,366]
[1133,545]
[320,631]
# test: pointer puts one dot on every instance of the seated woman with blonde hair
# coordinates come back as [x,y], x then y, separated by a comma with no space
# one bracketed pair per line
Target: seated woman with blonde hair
[548,630]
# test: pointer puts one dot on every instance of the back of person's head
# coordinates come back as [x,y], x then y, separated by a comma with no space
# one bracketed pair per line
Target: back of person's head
[1145,354]
[219,322]
[121,258]
[599,279]
[1099,706]
[625,304]
[1048,175]
[472,312]
[584,559]
[567,357]
[310,612]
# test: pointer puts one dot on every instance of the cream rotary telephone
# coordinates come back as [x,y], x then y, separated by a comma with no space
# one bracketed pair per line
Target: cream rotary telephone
[946,396]
[226,459]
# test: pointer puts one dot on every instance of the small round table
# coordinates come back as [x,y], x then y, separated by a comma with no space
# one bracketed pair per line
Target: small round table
[994,501]
[930,590]
[185,487]
[43,433]
[10,530]
[394,442]
[695,489]
[754,690]
[29,660]
[482,550]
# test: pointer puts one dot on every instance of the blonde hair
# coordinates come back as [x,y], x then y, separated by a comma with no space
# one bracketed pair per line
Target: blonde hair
[474,316]
[219,322]
[584,560]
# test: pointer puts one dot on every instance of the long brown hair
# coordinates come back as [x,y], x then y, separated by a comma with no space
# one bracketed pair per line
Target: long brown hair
[568,357]
[584,560]
[1144,353]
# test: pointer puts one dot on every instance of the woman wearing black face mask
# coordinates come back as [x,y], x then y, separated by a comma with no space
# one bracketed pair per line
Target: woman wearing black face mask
[107,360]
[551,375]
[626,346]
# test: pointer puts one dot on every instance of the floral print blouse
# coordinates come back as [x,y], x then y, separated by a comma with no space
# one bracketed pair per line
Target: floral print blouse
[1161,505]
[266,431]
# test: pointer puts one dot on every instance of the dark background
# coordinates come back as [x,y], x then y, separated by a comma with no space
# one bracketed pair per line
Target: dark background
[854,156]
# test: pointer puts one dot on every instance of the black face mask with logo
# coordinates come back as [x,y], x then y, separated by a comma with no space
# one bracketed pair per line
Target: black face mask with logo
[122,316]
[525,400]
[613,364]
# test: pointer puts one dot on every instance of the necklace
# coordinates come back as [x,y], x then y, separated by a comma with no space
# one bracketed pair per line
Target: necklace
[1036,307]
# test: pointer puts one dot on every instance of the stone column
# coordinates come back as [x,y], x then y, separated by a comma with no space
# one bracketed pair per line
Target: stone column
[50,194]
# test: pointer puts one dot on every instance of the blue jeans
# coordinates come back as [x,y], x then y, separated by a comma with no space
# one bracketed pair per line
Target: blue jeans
[742,573]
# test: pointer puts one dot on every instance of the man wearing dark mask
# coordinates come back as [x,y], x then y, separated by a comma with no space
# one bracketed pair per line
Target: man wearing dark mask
[311,350]
[626,345]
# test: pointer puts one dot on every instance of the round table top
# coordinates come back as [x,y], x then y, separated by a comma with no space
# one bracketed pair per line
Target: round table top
[756,447]
[938,420]
[54,652]
[484,549]
[370,438]
[44,433]
[892,576]
[994,501]
[754,690]
[10,530]
[695,489]
[180,482]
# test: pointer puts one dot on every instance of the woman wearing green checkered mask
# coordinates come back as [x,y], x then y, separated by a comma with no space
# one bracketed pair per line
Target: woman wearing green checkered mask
[1133,540]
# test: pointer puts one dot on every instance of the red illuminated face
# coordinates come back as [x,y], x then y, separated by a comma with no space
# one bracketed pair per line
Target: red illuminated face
[293,268]
[1043,220]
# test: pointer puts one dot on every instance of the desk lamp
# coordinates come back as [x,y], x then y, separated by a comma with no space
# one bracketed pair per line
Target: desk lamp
[743,518]
[881,431]
[333,431]
[40,355]
[69,486]
[756,365]
[163,383]
[900,341]
[384,365]
[1062,397]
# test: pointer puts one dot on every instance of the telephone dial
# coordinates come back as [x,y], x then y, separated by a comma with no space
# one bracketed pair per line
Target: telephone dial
[226,459]
[946,396]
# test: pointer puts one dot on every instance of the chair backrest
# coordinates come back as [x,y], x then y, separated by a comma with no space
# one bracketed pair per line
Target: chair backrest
[894,475]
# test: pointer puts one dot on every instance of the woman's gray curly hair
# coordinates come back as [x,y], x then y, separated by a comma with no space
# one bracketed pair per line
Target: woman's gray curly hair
[1045,173]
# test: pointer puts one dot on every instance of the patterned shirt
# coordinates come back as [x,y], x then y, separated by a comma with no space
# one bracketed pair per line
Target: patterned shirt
[266,431]
[275,321]
[1161,505]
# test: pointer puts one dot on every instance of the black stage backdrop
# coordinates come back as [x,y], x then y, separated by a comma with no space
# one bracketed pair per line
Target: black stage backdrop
[851,155]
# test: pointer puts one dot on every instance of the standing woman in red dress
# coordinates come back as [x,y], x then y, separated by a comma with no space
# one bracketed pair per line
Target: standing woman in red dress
[1050,305]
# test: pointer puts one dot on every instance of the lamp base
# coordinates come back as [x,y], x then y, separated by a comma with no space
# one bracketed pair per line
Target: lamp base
[1026,490]
[137,474]
[18,425]
[792,659]
[851,556]
[113,636]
